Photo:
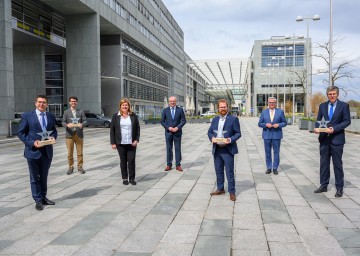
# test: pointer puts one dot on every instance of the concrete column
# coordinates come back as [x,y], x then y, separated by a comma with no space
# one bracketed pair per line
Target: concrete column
[6,68]
[83,60]
[29,75]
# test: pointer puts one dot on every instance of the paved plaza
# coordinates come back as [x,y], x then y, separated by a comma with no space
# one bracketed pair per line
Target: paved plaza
[172,213]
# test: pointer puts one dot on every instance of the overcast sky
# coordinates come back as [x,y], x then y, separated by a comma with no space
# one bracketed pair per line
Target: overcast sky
[221,29]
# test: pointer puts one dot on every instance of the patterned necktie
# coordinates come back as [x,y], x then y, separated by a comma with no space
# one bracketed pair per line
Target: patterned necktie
[331,111]
[43,120]
[271,115]
[173,112]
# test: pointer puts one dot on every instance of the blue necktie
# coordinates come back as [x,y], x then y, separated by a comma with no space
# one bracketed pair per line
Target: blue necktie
[43,120]
[331,111]
[173,112]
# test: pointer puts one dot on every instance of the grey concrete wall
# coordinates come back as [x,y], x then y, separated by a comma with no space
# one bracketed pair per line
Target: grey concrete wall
[29,75]
[6,68]
[111,89]
[83,60]
[354,126]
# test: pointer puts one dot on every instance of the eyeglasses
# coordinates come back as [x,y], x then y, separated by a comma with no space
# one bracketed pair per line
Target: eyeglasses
[73,100]
[42,102]
[271,102]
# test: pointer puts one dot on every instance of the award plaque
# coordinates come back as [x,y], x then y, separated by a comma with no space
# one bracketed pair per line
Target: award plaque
[46,139]
[220,137]
[75,122]
[323,126]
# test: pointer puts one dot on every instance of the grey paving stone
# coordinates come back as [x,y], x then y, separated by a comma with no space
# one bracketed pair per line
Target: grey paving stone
[212,246]
[5,243]
[249,240]
[272,216]
[335,221]
[248,221]
[156,223]
[270,204]
[141,241]
[216,228]
[165,209]
[181,234]
[287,249]
[348,238]
[301,212]
[173,248]
[285,233]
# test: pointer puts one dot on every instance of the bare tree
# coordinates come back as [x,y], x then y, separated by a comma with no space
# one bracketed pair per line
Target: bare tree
[343,67]
[316,100]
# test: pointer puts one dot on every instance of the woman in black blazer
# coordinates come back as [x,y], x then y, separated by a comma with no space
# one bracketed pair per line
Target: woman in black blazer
[124,136]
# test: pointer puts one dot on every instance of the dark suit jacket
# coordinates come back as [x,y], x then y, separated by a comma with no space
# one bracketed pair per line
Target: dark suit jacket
[66,120]
[279,118]
[179,119]
[115,129]
[232,128]
[340,120]
[27,133]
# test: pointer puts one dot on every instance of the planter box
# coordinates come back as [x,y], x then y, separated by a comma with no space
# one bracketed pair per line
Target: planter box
[289,120]
[311,126]
[303,124]
[152,121]
[14,128]
[199,120]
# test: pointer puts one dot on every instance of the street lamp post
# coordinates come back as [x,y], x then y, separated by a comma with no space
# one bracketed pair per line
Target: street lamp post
[278,71]
[308,56]
[293,103]
[330,46]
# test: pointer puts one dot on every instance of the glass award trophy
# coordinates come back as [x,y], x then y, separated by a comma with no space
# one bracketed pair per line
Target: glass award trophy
[323,126]
[45,138]
[75,122]
[220,137]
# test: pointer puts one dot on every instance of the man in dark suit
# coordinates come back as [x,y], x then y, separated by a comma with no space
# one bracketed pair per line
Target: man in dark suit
[224,152]
[33,126]
[332,141]
[272,120]
[173,119]
[74,121]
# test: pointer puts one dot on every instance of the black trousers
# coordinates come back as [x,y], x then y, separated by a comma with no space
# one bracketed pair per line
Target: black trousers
[127,160]
[328,151]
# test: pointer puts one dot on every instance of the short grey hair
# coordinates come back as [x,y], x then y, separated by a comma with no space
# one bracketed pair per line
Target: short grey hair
[271,98]
[332,88]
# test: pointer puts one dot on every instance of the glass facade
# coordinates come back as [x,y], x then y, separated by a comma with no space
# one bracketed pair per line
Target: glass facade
[274,55]
[54,78]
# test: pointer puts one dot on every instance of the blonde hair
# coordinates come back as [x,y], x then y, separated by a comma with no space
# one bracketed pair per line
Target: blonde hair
[122,101]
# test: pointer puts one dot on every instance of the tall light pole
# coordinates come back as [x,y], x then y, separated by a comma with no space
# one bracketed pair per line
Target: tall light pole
[308,56]
[278,71]
[284,58]
[330,46]
[293,103]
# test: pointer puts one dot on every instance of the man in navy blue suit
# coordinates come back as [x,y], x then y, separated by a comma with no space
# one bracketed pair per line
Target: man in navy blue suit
[32,127]
[332,142]
[272,120]
[173,119]
[229,127]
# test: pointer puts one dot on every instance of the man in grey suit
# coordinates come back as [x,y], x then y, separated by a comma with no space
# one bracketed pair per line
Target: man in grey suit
[74,121]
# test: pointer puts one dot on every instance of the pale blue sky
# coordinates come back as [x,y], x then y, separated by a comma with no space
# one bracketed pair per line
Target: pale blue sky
[220,29]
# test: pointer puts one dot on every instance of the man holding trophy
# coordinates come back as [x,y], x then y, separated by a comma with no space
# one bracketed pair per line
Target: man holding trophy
[332,119]
[74,121]
[223,133]
[34,131]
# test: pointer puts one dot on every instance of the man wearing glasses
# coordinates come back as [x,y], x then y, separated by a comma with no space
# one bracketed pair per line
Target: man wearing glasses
[74,121]
[332,141]
[272,120]
[34,128]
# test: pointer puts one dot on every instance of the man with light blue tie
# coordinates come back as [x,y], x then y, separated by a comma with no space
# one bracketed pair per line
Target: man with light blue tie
[332,142]
[173,119]
[34,126]
[272,120]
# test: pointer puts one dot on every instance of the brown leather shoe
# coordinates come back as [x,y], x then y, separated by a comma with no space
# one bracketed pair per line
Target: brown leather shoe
[217,192]
[232,197]
[168,168]
[178,168]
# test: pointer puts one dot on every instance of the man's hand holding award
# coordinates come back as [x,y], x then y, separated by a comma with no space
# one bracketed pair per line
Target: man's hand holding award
[75,123]
[45,139]
[323,126]
[220,139]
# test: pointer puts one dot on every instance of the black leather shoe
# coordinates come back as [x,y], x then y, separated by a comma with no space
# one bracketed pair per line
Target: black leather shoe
[275,172]
[125,182]
[39,206]
[339,192]
[322,188]
[133,182]
[47,201]
[268,171]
